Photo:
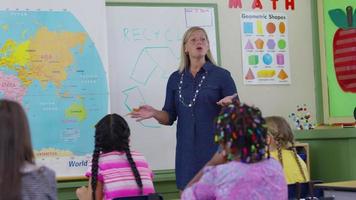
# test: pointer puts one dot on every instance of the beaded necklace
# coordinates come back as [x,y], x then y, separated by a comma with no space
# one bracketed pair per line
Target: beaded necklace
[181,98]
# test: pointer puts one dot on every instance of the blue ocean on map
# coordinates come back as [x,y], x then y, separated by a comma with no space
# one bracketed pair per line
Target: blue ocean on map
[57,75]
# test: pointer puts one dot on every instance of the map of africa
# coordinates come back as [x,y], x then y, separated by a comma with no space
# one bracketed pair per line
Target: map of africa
[50,65]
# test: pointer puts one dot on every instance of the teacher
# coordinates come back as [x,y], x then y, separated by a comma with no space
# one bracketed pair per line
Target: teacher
[194,96]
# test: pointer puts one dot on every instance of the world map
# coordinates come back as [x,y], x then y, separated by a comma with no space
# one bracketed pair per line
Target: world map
[51,66]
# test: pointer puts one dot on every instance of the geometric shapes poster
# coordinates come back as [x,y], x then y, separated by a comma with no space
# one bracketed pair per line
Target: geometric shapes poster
[265,54]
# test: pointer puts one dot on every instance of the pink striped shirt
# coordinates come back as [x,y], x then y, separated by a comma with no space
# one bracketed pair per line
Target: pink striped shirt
[116,175]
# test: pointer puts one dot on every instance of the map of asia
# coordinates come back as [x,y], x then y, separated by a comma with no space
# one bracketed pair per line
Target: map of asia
[51,66]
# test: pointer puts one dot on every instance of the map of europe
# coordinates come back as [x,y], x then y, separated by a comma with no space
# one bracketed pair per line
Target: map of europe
[50,65]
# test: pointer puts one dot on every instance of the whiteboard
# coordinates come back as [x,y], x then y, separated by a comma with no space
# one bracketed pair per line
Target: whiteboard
[144,49]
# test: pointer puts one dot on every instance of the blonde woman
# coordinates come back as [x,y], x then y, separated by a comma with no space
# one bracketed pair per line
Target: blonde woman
[194,95]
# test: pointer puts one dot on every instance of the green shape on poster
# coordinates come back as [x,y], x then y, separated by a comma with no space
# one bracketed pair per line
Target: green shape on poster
[253,60]
[282,44]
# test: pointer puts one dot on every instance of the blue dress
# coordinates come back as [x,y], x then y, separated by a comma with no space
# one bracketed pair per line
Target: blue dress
[195,124]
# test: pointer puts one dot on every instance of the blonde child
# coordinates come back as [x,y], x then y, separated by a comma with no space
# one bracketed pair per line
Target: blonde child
[282,149]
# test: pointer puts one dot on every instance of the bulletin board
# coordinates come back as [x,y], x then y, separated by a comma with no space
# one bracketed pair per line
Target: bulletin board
[338,60]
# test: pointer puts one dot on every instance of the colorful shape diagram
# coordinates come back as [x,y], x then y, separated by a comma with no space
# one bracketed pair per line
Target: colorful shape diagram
[271,44]
[282,44]
[267,59]
[248,27]
[266,73]
[282,27]
[259,43]
[249,45]
[282,75]
[271,27]
[253,59]
[259,27]
[249,75]
[280,59]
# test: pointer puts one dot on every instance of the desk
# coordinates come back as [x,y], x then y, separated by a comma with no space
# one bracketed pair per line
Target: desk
[343,190]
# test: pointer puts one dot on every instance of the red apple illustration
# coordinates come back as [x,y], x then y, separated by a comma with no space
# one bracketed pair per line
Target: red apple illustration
[344,48]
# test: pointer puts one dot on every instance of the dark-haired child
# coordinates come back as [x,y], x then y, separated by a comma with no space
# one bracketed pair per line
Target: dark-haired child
[116,171]
[282,149]
[20,177]
[242,170]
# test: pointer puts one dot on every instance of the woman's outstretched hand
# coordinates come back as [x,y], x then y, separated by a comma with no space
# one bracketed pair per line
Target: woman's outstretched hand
[143,112]
[226,100]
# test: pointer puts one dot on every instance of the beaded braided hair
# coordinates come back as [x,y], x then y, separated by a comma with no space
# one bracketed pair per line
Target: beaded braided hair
[282,133]
[112,134]
[242,128]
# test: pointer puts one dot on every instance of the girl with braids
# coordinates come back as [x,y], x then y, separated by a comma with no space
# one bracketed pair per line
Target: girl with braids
[242,168]
[116,171]
[20,177]
[282,149]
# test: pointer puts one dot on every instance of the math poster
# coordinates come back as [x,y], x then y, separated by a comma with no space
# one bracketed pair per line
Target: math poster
[265,54]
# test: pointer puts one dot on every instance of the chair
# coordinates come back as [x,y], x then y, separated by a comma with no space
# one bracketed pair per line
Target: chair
[304,190]
[154,196]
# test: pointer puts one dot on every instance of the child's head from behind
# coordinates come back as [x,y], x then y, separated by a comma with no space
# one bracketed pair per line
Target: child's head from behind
[241,128]
[282,138]
[112,133]
[280,130]
[15,148]
[14,132]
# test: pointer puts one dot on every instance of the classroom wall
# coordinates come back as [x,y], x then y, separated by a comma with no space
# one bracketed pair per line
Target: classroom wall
[272,99]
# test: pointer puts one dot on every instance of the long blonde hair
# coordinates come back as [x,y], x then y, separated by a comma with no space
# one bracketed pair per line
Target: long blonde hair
[184,58]
[282,133]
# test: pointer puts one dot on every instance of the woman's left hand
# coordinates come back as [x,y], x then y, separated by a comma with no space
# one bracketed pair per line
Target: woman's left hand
[226,100]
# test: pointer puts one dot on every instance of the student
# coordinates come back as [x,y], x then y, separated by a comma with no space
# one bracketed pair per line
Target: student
[242,170]
[116,171]
[20,177]
[282,149]
[194,96]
